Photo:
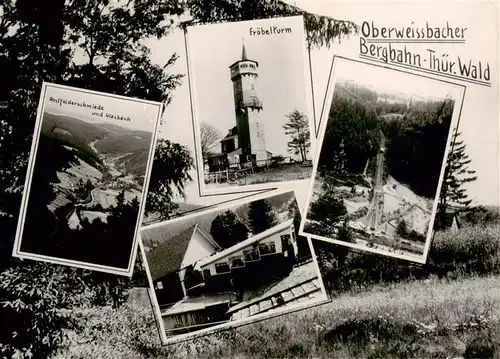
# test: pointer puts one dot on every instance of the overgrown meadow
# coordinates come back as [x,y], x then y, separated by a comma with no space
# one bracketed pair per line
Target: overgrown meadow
[449,307]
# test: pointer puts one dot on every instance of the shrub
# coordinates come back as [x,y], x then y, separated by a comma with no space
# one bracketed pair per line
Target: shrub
[104,332]
[480,346]
[328,209]
[276,161]
[474,250]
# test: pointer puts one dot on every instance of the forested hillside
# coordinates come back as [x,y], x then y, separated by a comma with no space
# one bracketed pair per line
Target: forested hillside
[416,133]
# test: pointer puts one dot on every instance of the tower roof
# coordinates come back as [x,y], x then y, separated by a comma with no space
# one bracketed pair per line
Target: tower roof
[243,52]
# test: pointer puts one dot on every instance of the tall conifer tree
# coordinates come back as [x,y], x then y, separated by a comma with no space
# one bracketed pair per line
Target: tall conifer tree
[261,216]
[457,174]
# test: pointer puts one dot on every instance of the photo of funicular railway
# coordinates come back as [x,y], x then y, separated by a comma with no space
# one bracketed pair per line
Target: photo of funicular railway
[379,169]
[231,265]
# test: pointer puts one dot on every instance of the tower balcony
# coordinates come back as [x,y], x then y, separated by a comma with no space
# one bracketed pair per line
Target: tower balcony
[252,102]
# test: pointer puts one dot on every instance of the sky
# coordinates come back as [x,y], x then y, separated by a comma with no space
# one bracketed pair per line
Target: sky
[282,74]
[143,116]
[401,83]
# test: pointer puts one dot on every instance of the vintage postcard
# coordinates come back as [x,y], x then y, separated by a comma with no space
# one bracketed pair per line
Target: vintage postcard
[384,139]
[251,99]
[87,179]
[230,266]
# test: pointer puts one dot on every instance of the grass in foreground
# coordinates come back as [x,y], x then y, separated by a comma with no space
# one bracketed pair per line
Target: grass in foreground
[431,318]
[420,319]
[452,311]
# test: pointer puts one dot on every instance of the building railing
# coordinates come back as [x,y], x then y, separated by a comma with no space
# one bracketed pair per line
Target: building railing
[191,328]
[234,172]
[231,296]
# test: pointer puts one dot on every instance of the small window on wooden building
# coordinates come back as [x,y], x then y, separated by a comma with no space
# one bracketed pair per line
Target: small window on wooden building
[236,262]
[251,254]
[222,268]
[206,274]
[267,248]
[159,285]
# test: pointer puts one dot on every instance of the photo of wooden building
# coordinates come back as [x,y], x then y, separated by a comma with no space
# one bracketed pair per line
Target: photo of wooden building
[233,263]
[270,253]
[197,284]
[170,261]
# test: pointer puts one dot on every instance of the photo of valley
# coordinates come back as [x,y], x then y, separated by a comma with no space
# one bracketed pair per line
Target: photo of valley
[232,264]
[381,158]
[86,188]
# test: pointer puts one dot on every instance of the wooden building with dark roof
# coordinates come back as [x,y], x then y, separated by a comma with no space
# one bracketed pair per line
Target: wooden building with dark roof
[171,263]
[197,282]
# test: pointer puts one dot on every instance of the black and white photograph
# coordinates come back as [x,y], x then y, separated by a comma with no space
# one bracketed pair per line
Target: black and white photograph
[380,307]
[384,141]
[251,99]
[89,169]
[231,265]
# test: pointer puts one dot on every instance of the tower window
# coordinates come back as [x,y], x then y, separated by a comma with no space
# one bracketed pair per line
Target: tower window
[252,86]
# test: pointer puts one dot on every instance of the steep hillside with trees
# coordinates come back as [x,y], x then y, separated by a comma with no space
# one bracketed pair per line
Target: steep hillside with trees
[416,135]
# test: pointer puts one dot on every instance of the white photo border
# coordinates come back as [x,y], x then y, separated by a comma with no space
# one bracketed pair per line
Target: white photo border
[454,125]
[325,298]
[313,125]
[27,186]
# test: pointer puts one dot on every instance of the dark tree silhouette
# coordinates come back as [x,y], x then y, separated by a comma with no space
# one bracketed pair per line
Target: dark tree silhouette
[453,195]
[170,172]
[328,211]
[297,127]
[456,175]
[227,229]
[261,216]
[38,39]
[402,229]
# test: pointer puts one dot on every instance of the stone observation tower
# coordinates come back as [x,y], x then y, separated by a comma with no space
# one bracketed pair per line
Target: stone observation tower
[248,109]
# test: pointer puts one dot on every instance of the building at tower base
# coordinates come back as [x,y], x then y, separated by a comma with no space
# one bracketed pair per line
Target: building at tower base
[245,143]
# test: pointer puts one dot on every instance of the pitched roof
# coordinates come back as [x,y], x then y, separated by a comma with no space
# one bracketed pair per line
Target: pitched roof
[228,137]
[243,52]
[168,256]
[245,243]
[449,217]
[232,133]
